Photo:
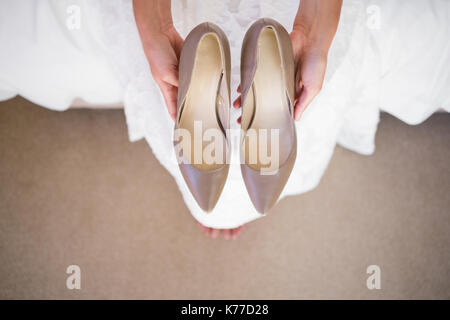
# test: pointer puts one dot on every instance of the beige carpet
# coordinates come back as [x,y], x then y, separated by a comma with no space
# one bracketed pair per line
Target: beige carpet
[73,190]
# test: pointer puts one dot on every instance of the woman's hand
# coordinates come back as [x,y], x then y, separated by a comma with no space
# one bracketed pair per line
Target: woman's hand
[314,29]
[163,52]
[162,46]
[311,63]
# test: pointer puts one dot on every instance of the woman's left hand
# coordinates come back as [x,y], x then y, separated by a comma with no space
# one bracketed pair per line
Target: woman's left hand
[310,63]
[314,28]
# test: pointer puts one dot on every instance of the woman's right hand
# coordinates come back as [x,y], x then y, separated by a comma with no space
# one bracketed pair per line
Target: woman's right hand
[162,46]
[163,53]
[314,28]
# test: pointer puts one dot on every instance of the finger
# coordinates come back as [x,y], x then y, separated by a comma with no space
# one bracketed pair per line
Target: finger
[170,76]
[169,93]
[239,230]
[208,232]
[235,232]
[204,228]
[178,45]
[226,234]
[238,89]
[237,103]
[306,96]
[298,87]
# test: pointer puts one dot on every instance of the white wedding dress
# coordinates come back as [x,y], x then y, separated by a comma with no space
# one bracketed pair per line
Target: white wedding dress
[387,55]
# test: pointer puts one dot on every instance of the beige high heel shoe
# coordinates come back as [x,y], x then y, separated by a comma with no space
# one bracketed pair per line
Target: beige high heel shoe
[203,111]
[267,87]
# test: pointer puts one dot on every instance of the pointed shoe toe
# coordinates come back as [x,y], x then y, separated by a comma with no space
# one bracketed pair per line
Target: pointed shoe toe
[205,186]
[265,189]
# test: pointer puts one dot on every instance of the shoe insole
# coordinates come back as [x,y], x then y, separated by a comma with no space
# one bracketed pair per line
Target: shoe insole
[200,104]
[267,107]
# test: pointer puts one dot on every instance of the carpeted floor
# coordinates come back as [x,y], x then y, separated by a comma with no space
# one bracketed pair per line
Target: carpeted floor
[73,190]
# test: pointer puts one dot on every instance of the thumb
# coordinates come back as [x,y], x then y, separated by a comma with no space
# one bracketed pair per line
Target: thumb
[169,93]
[306,96]
[170,76]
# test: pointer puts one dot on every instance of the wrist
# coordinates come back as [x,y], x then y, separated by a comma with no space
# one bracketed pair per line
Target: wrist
[153,17]
[317,20]
[312,42]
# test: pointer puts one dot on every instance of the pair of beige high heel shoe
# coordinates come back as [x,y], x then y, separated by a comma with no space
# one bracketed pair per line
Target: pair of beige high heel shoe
[267,95]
